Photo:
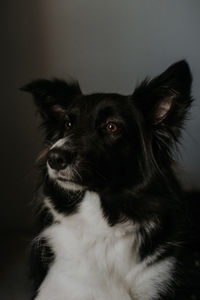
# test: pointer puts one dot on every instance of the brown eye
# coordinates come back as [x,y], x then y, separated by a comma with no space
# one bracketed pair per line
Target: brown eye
[68,125]
[112,127]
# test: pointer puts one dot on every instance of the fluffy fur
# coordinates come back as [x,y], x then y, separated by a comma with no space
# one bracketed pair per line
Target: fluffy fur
[111,205]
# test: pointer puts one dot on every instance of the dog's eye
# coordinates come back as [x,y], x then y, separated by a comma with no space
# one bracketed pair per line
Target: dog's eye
[112,127]
[68,125]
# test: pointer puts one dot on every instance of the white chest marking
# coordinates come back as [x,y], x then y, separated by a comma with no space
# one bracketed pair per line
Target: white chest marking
[94,261]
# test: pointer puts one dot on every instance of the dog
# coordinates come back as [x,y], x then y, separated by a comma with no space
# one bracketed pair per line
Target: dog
[111,205]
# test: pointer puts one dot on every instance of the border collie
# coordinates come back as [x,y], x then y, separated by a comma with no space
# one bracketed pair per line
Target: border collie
[111,205]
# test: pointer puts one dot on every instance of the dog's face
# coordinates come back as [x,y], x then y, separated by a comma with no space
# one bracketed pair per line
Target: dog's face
[94,142]
[109,140]
[97,143]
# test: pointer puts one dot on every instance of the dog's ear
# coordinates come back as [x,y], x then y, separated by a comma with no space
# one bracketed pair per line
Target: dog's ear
[166,99]
[52,97]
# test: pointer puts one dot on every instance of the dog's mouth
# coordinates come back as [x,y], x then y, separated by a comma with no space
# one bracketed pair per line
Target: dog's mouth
[64,179]
[60,178]
[67,178]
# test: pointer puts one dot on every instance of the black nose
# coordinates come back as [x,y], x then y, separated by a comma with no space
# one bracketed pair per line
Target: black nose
[57,159]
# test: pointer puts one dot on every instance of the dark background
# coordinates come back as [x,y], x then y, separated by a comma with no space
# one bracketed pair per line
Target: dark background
[108,45]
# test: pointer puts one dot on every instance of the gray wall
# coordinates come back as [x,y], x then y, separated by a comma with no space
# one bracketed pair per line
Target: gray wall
[108,45]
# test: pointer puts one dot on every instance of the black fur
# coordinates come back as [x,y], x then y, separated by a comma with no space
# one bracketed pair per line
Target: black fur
[131,169]
[42,257]
[63,202]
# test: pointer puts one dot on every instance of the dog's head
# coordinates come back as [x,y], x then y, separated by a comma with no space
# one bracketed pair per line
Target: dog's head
[109,140]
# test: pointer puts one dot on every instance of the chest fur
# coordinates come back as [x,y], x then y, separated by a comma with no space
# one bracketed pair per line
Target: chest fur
[96,261]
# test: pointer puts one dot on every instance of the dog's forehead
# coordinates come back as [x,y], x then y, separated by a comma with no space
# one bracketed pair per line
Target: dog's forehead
[96,104]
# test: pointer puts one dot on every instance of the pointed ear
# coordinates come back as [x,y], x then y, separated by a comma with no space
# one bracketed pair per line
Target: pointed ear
[52,97]
[166,99]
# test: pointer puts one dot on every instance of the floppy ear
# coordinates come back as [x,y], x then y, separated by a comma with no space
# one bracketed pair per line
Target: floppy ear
[164,101]
[52,97]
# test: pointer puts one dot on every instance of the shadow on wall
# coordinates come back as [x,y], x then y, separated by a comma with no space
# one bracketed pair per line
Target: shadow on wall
[23,53]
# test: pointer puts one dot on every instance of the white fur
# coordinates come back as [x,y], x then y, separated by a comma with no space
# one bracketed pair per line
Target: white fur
[67,185]
[60,143]
[94,261]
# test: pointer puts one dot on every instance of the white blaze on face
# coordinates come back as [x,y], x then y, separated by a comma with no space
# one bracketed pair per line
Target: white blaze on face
[60,143]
